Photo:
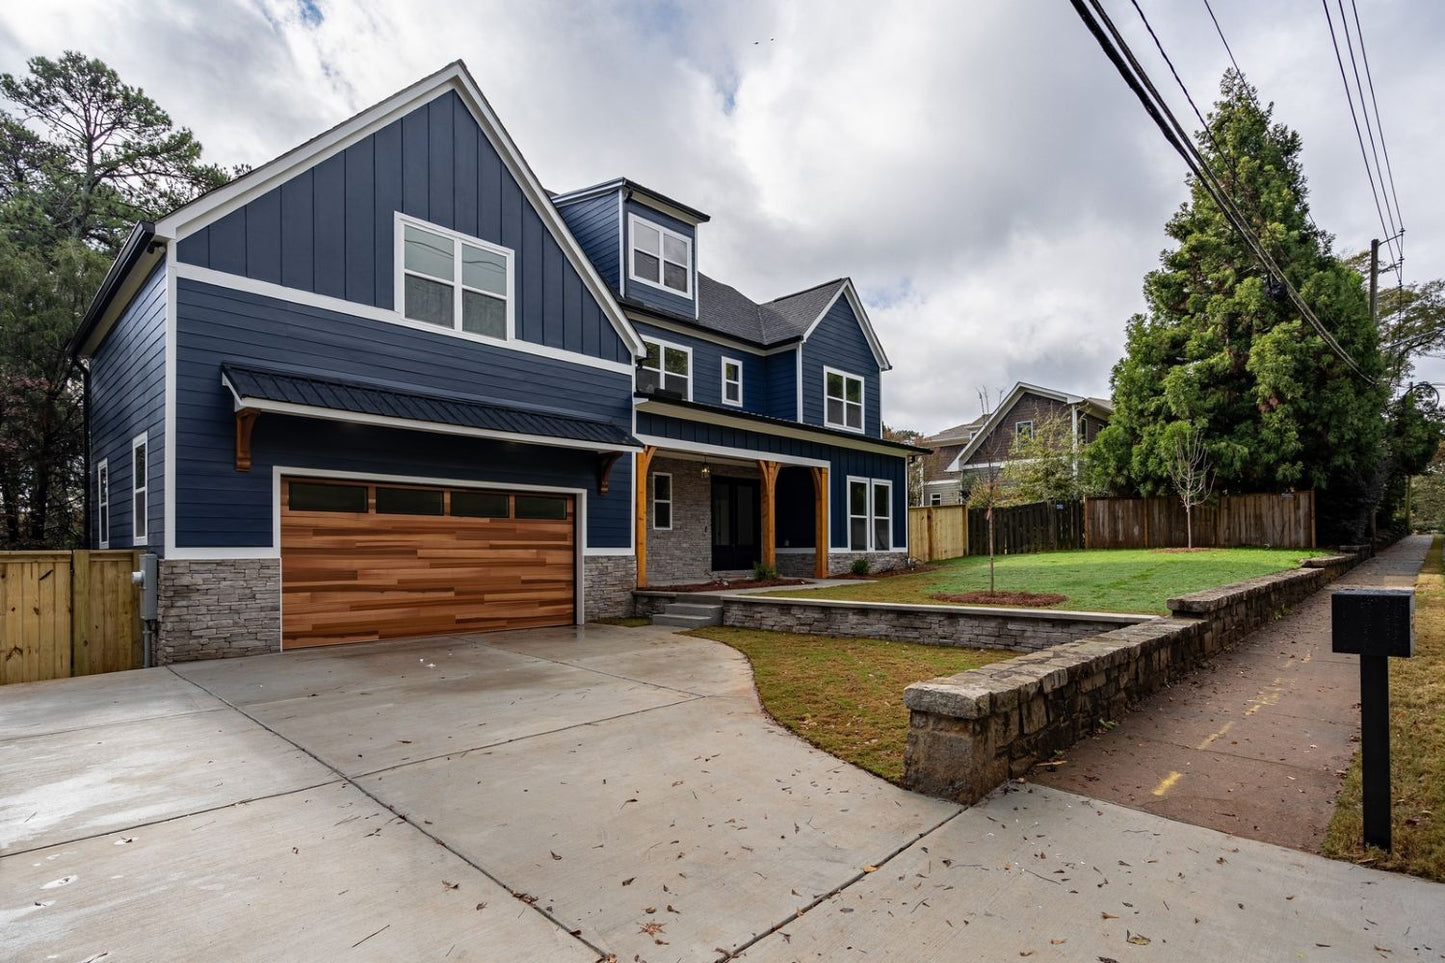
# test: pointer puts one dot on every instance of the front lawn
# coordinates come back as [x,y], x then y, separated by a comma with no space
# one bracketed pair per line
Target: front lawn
[1417,749]
[845,696]
[1119,580]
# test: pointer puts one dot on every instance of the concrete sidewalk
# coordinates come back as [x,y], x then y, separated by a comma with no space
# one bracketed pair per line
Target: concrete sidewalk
[1255,744]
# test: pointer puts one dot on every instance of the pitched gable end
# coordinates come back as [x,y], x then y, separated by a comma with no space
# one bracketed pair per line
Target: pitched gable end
[848,291]
[431,112]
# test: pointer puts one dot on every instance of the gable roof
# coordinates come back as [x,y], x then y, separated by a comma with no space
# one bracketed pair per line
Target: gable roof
[215,204]
[632,189]
[1001,412]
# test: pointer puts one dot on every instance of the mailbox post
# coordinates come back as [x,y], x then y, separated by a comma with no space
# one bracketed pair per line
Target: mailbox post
[1376,625]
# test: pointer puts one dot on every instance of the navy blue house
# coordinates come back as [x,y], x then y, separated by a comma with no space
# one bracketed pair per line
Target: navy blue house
[388,385]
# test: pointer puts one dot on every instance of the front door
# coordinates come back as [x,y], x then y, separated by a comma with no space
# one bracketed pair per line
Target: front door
[736,523]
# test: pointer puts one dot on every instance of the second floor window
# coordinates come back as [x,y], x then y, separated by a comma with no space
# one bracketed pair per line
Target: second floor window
[454,282]
[666,367]
[732,382]
[842,400]
[661,257]
[1023,429]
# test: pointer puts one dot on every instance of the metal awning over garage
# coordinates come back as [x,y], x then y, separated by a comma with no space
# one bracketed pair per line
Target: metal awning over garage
[259,390]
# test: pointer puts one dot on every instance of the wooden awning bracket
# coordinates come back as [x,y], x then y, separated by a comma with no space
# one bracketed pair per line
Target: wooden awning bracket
[605,461]
[245,423]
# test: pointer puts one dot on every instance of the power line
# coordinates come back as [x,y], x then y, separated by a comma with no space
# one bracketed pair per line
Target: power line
[1369,128]
[1369,78]
[1219,30]
[1349,98]
[1138,81]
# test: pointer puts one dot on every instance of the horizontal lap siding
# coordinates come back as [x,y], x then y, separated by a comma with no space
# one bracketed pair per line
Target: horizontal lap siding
[782,383]
[652,296]
[594,222]
[328,230]
[218,506]
[839,342]
[127,397]
[707,368]
[842,461]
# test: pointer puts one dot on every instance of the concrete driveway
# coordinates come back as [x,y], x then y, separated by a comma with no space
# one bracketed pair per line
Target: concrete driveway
[578,794]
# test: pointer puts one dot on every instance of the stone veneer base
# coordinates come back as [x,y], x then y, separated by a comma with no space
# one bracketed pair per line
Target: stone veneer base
[218,608]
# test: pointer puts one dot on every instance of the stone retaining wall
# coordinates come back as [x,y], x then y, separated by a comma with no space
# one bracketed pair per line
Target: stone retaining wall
[1024,630]
[218,608]
[968,733]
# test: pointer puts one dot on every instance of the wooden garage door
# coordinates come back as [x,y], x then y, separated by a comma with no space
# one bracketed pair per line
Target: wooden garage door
[377,561]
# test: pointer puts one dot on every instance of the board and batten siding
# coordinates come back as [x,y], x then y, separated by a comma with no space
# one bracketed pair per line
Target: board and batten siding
[329,230]
[650,295]
[838,342]
[219,506]
[707,368]
[843,462]
[594,223]
[127,397]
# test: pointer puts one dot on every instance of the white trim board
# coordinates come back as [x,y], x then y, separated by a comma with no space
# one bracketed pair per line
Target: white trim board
[741,454]
[216,204]
[236,282]
[804,432]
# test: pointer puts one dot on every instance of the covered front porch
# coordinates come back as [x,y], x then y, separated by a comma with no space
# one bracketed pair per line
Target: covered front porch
[705,513]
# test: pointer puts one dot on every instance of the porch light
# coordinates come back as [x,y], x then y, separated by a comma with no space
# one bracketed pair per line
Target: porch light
[706,470]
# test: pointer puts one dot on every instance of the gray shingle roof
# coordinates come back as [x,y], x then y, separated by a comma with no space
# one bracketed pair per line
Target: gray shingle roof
[362,397]
[726,310]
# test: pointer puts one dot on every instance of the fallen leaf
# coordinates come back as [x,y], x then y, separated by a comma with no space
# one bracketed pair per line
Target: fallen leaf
[628,881]
[1108,916]
[651,928]
[870,869]
[481,906]
[554,855]
[1057,942]
[1026,952]
[451,885]
[1137,939]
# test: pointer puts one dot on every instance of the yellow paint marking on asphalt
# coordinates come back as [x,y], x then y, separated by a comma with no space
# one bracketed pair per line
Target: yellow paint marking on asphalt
[1267,697]
[1223,730]
[1167,783]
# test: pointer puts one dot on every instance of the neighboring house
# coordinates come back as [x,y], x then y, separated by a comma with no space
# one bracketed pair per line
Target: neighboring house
[960,453]
[386,385]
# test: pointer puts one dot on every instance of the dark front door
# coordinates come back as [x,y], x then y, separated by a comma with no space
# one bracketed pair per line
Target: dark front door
[736,523]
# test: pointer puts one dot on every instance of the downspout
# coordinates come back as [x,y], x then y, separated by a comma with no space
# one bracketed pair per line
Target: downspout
[89,527]
[1074,441]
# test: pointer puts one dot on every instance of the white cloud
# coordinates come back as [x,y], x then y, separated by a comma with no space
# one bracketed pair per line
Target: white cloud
[980,170]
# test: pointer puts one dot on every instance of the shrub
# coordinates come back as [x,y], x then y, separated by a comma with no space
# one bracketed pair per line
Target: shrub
[860,566]
[764,572]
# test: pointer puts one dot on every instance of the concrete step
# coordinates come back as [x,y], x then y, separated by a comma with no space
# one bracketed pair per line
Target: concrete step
[693,608]
[685,621]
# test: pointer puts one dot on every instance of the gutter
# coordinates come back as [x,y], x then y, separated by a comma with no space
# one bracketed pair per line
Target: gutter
[136,245]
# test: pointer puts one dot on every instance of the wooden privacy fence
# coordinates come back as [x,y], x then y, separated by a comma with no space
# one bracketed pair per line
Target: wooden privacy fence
[68,613]
[1279,521]
[938,532]
[1020,529]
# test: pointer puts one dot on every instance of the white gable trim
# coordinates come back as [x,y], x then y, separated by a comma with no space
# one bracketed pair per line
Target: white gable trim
[216,204]
[846,289]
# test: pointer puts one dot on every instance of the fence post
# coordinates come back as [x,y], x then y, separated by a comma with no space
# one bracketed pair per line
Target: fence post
[80,613]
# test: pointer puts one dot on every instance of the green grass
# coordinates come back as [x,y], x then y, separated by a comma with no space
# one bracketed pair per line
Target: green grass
[1417,749]
[845,696]
[1123,580]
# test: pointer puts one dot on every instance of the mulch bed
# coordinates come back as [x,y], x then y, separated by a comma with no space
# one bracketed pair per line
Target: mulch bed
[1026,599]
[719,585]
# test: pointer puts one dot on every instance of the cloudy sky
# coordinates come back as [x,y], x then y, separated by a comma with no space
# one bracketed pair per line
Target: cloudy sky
[978,168]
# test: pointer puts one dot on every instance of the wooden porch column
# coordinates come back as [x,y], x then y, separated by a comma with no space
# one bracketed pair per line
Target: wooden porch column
[639,484]
[820,523]
[769,470]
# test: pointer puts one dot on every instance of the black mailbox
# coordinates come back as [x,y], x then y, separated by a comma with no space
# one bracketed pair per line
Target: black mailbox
[1374,622]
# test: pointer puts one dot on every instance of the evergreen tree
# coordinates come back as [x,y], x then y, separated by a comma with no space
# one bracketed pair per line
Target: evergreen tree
[1222,351]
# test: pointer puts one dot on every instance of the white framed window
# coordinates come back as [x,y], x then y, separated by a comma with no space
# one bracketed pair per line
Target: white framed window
[1024,429]
[102,503]
[140,501]
[732,382]
[665,367]
[842,400]
[936,498]
[870,514]
[659,257]
[882,515]
[452,281]
[662,501]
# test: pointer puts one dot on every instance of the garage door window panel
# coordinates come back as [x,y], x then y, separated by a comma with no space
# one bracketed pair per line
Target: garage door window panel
[472,504]
[320,497]
[548,507]
[408,501]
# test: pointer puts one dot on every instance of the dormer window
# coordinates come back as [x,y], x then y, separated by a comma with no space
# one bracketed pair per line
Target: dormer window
[660,257]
